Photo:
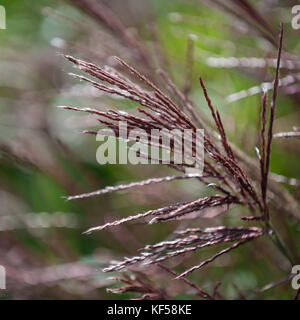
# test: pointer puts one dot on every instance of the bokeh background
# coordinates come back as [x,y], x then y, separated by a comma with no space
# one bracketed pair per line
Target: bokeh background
[43,155]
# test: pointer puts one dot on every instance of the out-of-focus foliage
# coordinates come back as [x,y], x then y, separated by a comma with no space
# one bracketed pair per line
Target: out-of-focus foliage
[43,155]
